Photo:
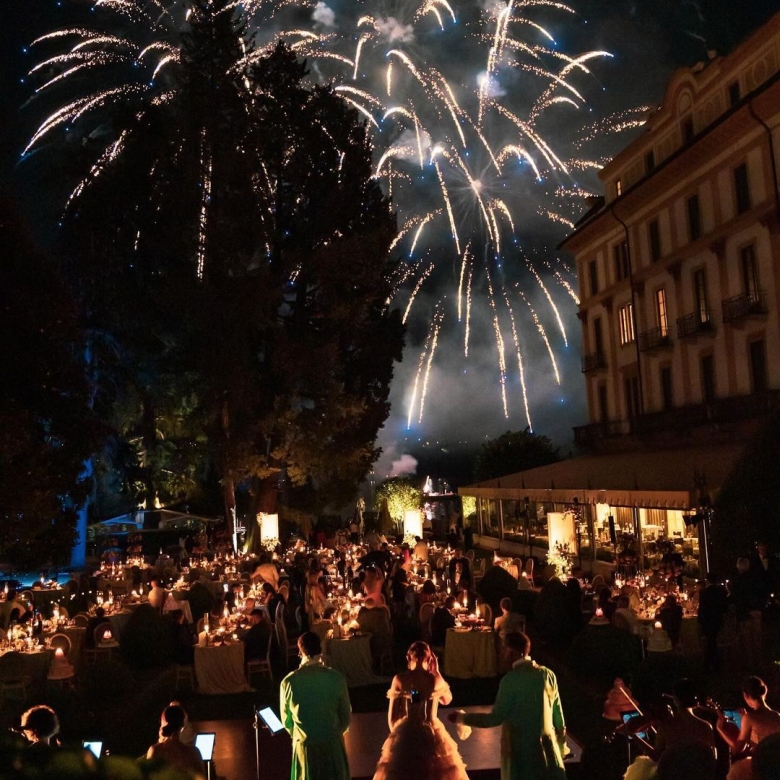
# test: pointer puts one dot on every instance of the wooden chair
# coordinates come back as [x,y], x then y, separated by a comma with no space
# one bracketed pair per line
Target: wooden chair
[92,654]
[470,556]
[487,614]
[63,641]
[81,620]
[478,571]
[529,569]
[261,665]
[598,584]
[284,592]
[299,618]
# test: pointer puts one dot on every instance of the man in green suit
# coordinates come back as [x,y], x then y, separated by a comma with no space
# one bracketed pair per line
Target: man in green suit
[528,708]
[315,709]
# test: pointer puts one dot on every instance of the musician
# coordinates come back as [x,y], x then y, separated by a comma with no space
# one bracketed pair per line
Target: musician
[759,722]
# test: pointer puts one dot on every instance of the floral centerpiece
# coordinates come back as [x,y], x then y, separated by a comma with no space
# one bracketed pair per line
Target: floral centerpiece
[560,560]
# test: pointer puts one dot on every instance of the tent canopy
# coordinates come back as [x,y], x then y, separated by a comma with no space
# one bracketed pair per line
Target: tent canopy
[673,479]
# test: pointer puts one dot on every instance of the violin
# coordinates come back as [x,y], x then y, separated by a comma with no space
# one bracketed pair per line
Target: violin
[728,728]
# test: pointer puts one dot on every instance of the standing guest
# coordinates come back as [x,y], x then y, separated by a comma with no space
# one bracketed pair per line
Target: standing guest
[170,749]
[157,594]
[315,710]
[713,603]
[460,569]
[508,622]
[183,640]
[257,637]
[40,727]
[765,570]
[528,708]
[266,571]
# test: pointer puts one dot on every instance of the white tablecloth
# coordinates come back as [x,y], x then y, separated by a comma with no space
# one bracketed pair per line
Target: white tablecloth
[221,669]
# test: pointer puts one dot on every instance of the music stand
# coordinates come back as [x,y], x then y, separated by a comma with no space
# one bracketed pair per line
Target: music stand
[267,719]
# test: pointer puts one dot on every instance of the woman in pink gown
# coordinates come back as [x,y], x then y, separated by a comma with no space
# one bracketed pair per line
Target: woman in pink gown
[419,746]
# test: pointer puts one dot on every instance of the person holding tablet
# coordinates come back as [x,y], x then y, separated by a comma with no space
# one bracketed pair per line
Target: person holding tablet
[170,749]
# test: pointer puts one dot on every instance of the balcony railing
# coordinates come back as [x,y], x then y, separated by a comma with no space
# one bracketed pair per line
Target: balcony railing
[593,362]
[655,338]
[588,434]
[748,304]
[699,321]
[683,418]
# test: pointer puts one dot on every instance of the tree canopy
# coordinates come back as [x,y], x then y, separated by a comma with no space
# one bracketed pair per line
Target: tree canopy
[47,429]
[233,262]
[513,451]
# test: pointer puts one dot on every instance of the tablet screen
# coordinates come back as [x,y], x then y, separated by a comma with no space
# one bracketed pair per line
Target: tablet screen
[205,744]
[735,716]
[268,716]
[627,716]
[96,748]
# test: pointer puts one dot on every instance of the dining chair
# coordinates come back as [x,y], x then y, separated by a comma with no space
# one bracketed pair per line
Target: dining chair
[261,665]
[288,652]
[81,620]
[13,680]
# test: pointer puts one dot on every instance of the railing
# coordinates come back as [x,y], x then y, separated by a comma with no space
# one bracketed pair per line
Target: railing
[745,305]
[718,410]
[654,338]
[593,361]
[588,434]
[699,321]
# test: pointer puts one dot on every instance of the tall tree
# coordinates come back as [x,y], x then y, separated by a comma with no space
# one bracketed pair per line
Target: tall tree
[514,451]
[47,429]
[238,243]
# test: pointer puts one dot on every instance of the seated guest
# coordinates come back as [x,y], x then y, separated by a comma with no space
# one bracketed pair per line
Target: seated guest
[758,723]
[183,640]
[428,592]
[508,622]
[420,549]
[13,610]
[318,597]
[265,571]
[442,619]
[373,584]
[624,617]
[375,620]
[272,599]
[684,726]
[234,596]
[606,603]
[40,727]
[671,616]
[170,749]
[256,638]
[157,594]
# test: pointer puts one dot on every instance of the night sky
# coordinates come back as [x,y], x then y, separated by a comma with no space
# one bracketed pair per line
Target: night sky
[649,40]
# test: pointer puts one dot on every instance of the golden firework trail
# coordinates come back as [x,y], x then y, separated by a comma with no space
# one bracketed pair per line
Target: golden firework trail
[436,327]
[499,344]
[520,366]
[542,332]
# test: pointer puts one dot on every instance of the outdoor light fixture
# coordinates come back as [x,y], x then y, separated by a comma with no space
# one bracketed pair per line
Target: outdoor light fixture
[413,523]
[269,527]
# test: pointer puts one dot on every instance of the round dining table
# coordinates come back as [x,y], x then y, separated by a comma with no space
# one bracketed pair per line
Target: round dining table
[470,653]
[220,669]
[352,657]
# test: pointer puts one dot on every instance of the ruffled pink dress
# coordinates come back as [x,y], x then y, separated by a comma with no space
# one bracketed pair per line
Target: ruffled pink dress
[419,747]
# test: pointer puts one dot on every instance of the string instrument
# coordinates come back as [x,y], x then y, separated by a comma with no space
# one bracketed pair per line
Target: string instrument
[728,729]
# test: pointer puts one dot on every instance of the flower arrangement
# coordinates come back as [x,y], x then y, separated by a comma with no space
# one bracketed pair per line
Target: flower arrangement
[560,559]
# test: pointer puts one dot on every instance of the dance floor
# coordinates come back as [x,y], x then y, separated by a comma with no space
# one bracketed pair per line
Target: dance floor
[234,750]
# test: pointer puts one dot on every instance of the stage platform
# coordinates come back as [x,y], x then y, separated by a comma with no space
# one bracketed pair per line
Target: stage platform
[234,749]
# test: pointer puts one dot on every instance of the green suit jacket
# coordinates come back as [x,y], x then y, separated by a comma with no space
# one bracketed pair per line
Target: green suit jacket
[528,708]
[315,709]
